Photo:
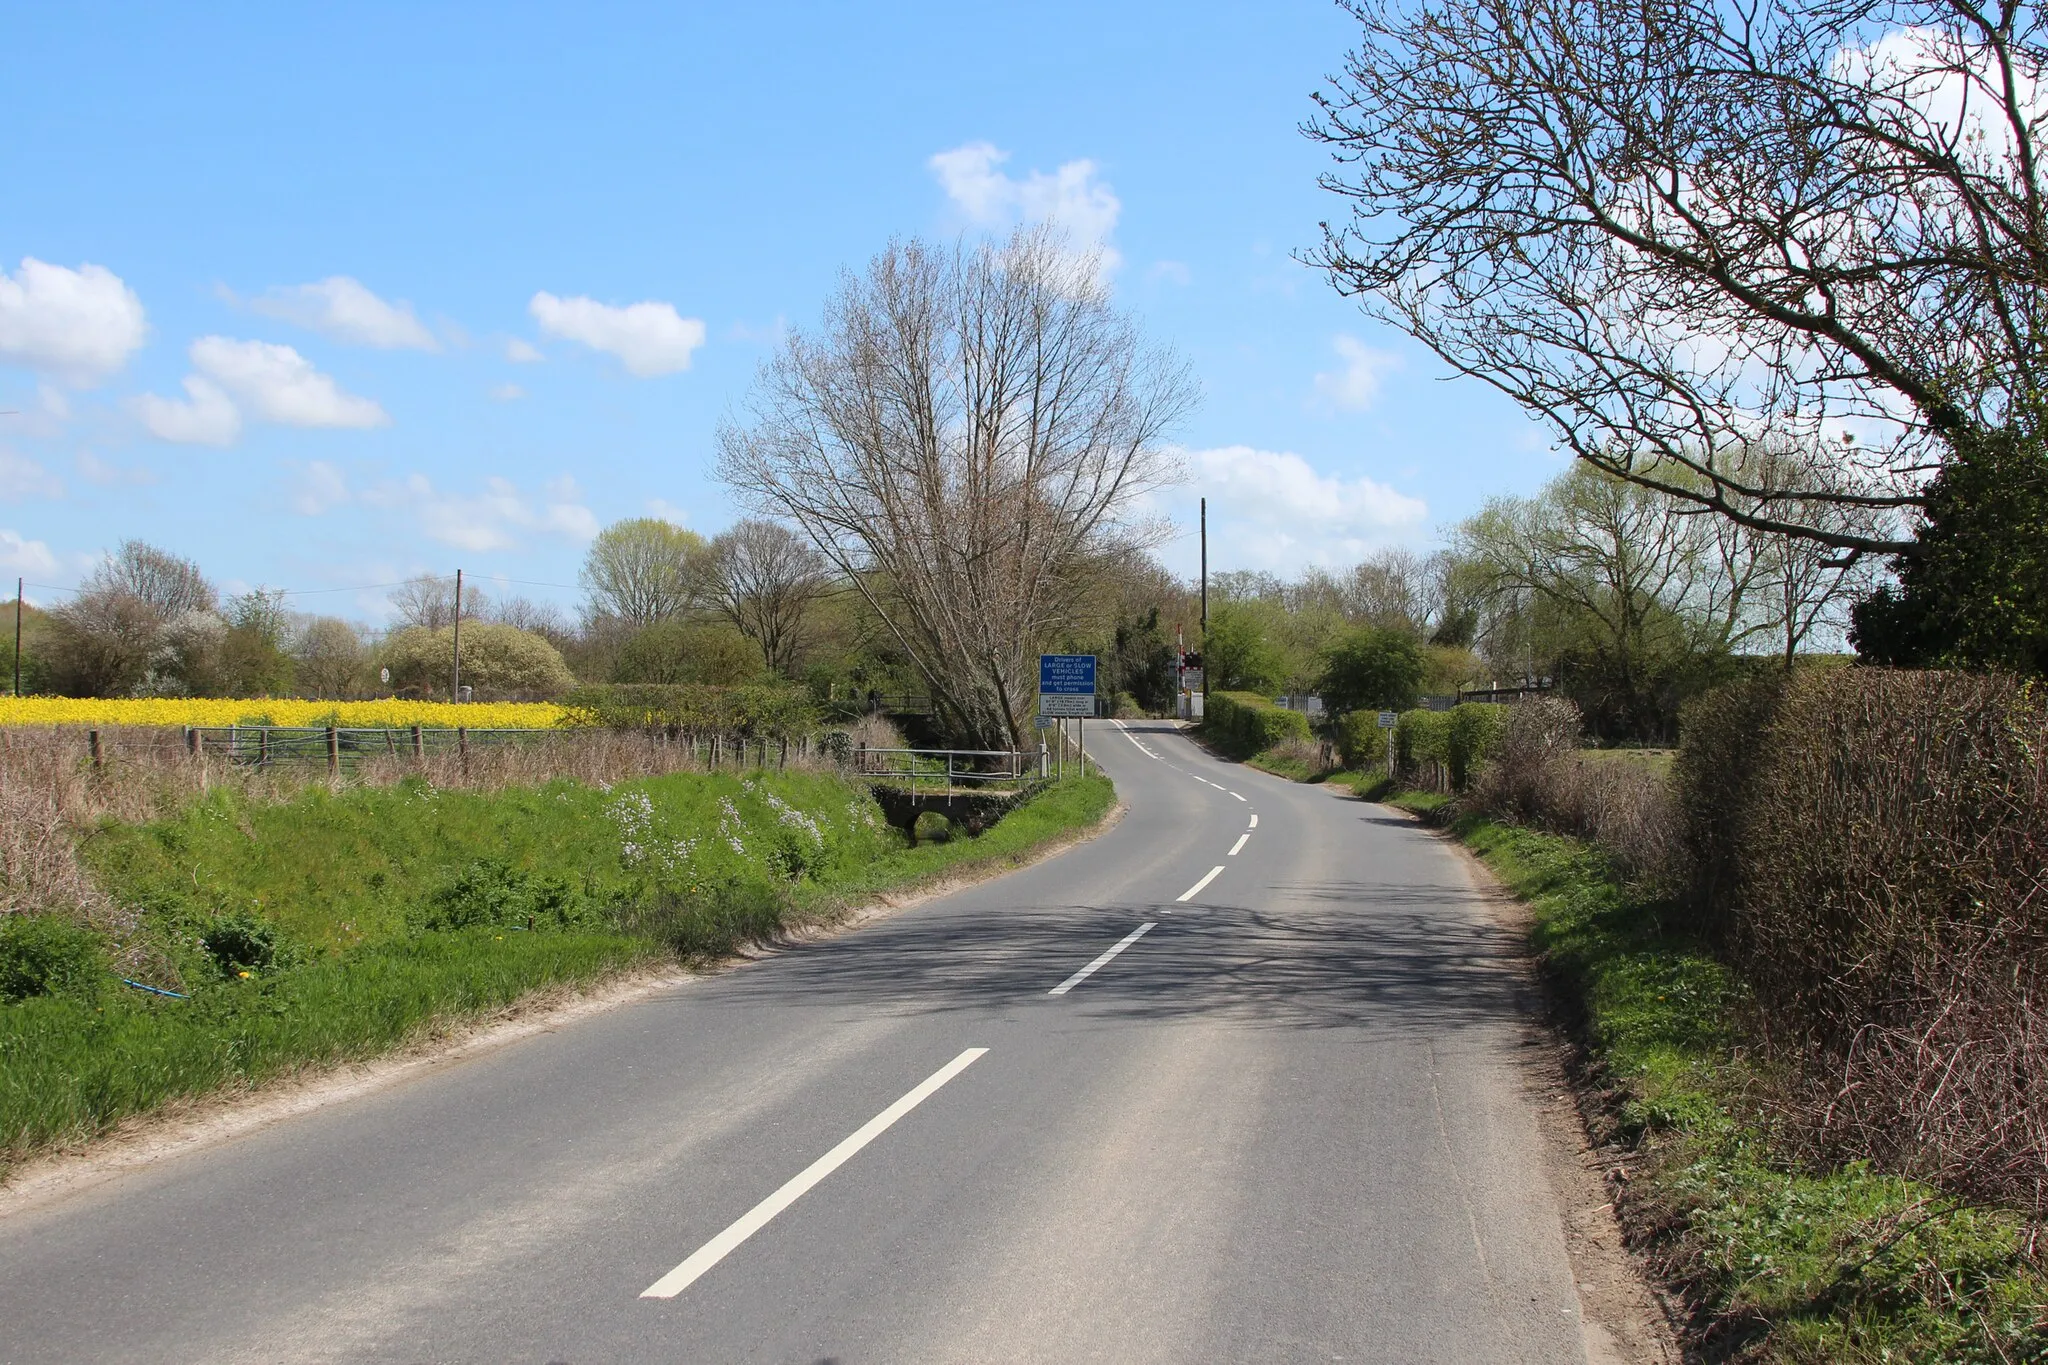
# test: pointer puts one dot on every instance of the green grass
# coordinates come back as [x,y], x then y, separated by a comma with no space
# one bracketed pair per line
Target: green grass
[337,926]
[1783,1260]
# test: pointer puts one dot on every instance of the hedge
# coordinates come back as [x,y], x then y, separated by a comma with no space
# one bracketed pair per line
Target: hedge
[1445,748]
[1245,723]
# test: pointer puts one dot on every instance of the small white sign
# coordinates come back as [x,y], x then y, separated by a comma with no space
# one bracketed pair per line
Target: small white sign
[1066,704]
[1389,719]
[1047,722]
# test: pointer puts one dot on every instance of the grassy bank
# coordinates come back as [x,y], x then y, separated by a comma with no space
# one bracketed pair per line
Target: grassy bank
[336,925]
[1782,1257]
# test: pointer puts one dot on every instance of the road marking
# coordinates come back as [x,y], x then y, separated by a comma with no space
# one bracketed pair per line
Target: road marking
[1238,797]
[1126,941]
[1190,893]
[758,1217]
[1235,847]
[1255,821]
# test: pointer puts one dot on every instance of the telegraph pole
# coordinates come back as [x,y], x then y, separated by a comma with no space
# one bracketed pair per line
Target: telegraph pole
[1205,606]
[17,637]
[456,695]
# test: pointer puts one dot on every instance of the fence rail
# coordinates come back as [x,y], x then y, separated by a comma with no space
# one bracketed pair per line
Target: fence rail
[346,747]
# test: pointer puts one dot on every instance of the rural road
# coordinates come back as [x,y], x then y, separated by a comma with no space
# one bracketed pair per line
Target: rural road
[1286,1122]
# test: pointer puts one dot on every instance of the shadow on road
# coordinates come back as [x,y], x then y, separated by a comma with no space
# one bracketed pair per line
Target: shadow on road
[1379,956]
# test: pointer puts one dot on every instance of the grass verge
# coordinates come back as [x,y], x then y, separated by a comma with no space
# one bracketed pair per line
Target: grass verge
[1780,1257]
[335,926]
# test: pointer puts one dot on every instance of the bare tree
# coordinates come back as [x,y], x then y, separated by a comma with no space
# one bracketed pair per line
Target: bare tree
[1670,226]
[429,601]
[1389,588]
[964,433]
[643,570]
[167,585]
[764,577]
[330,655]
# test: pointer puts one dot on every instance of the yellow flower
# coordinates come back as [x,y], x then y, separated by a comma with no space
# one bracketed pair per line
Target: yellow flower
[243,975]
[388,713]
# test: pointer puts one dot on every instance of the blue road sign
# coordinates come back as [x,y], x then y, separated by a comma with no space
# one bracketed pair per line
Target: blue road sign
[1066,675]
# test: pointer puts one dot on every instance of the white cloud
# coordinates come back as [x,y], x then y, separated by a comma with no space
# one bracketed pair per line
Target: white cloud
[342,308]
[1273,510]
[667,511]
[522,352]
[1072,198]
[80,325]
[280,385]
[649,338]
[274,383]
[494,519]
[1357,384]
[21,477]
[26,556]
[508,393]
[320,488]
[206,417]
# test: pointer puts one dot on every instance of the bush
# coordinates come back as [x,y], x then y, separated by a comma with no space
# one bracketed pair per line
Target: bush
[490,893]
[495,658]
[1243,723]
[759,711]
[239,942]
[1872,852]
[48,955]
[1360,740]
[1420,748]
[1470,737]
[1540,777]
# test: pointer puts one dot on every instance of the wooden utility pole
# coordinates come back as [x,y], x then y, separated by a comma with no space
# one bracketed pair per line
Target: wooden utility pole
[1205,607]
[456,694]
[17,637]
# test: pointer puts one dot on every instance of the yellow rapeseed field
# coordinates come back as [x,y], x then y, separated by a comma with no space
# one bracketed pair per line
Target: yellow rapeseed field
[208,711]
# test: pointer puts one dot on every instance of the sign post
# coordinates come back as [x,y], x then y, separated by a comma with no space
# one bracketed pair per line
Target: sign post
[1066,687]
[1388,721]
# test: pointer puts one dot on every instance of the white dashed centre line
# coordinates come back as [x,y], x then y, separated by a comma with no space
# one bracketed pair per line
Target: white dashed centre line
[1126,941]
[1192,891]
[758,1217]
[1238,845]
[1255,821]
[1238,797]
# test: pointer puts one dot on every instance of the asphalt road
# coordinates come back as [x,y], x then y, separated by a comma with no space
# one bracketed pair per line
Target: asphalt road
[1285,1123]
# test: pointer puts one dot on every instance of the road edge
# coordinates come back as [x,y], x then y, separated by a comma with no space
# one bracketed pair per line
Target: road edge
[1625,1312]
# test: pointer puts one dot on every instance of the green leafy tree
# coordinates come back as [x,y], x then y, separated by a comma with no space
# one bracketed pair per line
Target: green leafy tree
[1974,590]
[644,570]
[1238,655]
[1376,667]
[681,652]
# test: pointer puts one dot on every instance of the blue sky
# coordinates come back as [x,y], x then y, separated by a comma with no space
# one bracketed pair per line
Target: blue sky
[325,299]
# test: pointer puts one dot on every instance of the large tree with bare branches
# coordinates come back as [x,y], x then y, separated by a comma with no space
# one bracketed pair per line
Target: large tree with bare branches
[1676,228]
[967,430]
[763,577]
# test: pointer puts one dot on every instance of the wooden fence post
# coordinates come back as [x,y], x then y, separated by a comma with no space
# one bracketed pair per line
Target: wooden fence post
[263,748]
[92,744]
[333,753]
[192,740]
[462,748]
[419,745]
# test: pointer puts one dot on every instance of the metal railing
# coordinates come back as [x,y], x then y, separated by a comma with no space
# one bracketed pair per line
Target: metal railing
[984,769]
